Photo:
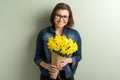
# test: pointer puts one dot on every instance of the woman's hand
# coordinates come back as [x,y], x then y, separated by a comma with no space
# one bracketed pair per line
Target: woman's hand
[64,62]
[51,68]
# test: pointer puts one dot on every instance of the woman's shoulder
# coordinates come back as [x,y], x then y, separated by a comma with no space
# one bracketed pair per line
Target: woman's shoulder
[73,30]
[45,29]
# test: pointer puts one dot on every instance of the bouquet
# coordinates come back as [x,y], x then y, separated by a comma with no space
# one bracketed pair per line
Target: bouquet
[60,46]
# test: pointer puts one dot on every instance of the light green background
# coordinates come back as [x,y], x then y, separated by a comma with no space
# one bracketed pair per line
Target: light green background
[98,22]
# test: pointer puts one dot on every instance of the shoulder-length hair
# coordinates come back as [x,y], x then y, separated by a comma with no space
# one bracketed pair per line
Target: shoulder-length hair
[62,6]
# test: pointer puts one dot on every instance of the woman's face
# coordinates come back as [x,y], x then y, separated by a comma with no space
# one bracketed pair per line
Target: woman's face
[61,18]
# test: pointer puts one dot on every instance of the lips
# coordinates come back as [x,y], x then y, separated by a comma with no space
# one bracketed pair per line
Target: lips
[60,23]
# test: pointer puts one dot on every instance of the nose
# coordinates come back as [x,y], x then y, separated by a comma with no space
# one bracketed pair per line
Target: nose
[60,18]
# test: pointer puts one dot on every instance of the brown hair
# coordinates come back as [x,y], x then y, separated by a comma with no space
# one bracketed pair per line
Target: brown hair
[63,6]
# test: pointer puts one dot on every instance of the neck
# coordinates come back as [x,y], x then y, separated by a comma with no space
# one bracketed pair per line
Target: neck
[59,31]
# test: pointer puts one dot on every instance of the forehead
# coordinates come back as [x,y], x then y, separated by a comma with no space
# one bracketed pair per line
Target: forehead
[62,12]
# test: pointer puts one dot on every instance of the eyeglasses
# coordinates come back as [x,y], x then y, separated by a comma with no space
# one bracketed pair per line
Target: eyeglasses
[58,16]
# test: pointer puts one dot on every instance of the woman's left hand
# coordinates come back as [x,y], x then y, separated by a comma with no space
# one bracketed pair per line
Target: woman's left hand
[64,62]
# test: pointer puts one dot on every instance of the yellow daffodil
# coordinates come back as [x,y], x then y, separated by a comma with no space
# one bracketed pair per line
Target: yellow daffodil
[62,45]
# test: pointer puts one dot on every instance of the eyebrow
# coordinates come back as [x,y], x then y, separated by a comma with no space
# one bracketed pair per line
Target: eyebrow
[61,15]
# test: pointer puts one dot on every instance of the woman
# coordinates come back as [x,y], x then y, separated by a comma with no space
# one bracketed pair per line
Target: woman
[62,23]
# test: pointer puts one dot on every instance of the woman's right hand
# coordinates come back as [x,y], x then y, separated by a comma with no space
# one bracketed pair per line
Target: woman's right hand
[52,68]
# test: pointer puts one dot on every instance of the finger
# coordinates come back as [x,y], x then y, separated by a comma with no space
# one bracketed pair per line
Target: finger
[53,66]
[53,70]
[62,61]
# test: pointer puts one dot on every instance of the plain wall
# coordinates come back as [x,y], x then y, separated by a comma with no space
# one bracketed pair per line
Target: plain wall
[98,22]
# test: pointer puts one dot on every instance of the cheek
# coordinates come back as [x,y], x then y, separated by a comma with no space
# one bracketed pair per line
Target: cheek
[66,21]
[55,21]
